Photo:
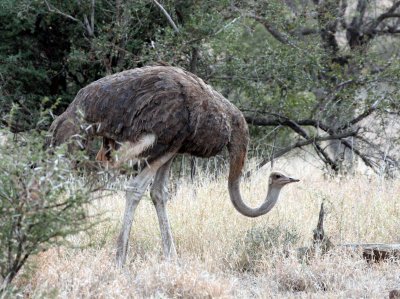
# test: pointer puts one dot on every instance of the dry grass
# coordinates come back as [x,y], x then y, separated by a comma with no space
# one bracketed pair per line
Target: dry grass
[213,248]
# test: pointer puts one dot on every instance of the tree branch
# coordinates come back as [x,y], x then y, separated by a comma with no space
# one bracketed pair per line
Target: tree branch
[92,16]
[366,113]
[167,16]
[268,26]
[320,151]
[329,14]
[193,60]
[358,153]
[389,14]
[56,10]
[304,31]
[360,12]
[388,31]
[85,25]
[383,156]
[342,13]
[277,120]
[334,134]
[303,143]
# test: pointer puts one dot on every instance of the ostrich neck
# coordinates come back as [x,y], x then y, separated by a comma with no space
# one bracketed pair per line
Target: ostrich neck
[237,148]
[240,205]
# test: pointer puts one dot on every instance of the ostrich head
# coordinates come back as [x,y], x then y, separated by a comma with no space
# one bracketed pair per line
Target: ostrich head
[278,180]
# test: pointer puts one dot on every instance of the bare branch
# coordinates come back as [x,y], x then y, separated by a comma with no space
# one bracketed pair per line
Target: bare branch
[389,14]
[84,24]
[92,15]
[388,31]
[360,12]
[342,13]
[329,14]
[303,143]
[87,25]
[270,28]
[366,161]
[304,31]
[334,134]
[361,116]
[277,120]
[193,60]
[382,155]
[167,16]
[56,10]
[366,113]
[320,151]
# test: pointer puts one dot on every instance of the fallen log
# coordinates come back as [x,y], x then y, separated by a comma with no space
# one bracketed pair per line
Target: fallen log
[375,252]
[372,252]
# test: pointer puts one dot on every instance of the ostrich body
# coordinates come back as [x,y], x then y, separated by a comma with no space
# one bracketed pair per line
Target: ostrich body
[156,113]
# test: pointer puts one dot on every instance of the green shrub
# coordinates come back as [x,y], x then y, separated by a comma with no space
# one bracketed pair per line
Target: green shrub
[41,201]
[260,241]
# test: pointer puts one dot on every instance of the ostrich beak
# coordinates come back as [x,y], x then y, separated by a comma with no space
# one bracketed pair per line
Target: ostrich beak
[293,180]
[287,180]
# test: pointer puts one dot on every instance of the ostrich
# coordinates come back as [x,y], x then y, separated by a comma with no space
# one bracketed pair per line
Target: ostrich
[156,113]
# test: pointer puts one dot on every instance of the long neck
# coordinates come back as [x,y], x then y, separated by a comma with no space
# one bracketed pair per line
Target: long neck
[237,152]
[244,209]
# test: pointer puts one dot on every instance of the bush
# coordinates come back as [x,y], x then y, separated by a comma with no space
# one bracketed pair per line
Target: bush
[41,202]
[260,241]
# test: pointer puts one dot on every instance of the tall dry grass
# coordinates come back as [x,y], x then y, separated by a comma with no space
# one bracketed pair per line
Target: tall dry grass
[217,258]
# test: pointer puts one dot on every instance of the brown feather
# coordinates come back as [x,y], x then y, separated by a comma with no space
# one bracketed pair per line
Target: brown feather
[175,105]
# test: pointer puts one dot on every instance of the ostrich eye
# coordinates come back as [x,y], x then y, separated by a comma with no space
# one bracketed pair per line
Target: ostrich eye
[278,176]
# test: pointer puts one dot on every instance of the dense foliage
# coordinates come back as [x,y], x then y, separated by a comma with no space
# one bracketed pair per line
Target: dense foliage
[295,68]
[41,202]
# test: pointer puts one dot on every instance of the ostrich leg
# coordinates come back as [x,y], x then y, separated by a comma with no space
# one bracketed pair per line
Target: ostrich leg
[136,187]
[159,195]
